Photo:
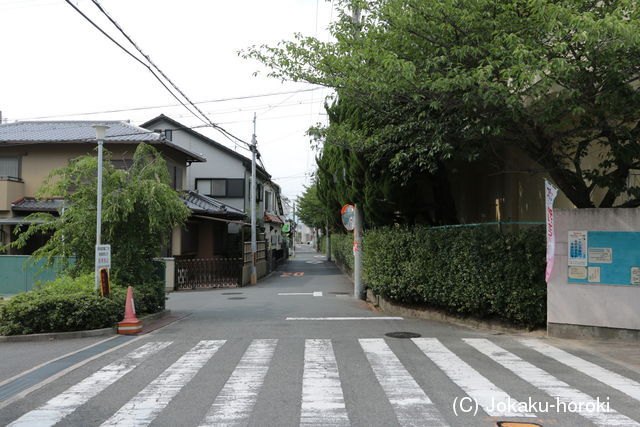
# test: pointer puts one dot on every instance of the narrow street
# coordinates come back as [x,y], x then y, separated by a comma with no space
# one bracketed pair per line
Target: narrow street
[298,349]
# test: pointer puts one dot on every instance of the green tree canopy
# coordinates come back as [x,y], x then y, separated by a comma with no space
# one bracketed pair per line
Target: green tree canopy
[311,210]
[139,211]
[435,81]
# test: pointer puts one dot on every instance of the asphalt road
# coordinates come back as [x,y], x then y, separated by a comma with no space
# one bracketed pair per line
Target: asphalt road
[298,349]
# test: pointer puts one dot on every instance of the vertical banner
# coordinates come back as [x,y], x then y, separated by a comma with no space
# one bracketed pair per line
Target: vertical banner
[550,194]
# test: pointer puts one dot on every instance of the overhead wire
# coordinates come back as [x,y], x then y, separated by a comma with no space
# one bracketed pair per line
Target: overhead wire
[203,117]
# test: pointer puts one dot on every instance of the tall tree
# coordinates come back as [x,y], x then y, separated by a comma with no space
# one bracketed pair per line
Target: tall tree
[139,211]
[450,79]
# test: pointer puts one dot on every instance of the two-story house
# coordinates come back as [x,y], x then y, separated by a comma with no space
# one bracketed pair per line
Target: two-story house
[226,176]
[30,150]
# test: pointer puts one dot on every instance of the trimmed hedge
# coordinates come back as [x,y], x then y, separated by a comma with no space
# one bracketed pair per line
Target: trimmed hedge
[469,271]
[70,304]
[342,251]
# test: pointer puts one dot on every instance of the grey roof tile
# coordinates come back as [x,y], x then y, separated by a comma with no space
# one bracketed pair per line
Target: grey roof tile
[201,204]
[76,130]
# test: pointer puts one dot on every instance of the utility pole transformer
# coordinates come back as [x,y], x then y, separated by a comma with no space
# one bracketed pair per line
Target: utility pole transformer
[254,244]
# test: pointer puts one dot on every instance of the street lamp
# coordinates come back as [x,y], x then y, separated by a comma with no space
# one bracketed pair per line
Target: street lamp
[101,130]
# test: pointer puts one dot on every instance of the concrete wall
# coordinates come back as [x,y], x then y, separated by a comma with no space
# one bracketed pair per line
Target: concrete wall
[591,310]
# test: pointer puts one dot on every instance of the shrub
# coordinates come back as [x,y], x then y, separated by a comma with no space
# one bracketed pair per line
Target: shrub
[43,311]
[342,250]
[65,284]
[468,271]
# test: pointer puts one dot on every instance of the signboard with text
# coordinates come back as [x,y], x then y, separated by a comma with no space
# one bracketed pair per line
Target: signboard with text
[103,256]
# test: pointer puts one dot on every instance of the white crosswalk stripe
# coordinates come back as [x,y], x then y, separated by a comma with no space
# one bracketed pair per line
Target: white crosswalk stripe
[235,401]
[322,398]
[68,401]
[610,378]
[493,400]
[410,403]
[584,404]
[322,385]
[147,404]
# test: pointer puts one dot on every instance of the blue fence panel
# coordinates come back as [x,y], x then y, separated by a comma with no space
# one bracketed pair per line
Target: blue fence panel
[17,274]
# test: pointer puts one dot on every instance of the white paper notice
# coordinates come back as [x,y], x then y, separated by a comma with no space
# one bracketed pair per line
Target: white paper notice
[600,255]
[579,273]
[635,275]
[577,248]
[594,274]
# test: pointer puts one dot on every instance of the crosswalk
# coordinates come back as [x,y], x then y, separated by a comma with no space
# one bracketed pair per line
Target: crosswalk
[489,378]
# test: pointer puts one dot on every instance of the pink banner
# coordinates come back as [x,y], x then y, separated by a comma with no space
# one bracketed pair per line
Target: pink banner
[550,194]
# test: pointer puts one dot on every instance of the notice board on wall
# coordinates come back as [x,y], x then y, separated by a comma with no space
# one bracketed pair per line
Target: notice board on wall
[604,257]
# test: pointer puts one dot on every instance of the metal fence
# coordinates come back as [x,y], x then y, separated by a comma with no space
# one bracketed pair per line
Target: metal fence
[207,273]
[18,274]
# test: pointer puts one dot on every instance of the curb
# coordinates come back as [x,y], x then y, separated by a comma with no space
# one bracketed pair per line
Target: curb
[50,336]
[438,316]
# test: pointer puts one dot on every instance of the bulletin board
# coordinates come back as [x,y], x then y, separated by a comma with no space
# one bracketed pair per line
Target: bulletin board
[604,257]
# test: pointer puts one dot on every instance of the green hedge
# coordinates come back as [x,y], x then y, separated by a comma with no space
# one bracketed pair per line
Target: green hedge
[70,304]
[342,250]
[468,271]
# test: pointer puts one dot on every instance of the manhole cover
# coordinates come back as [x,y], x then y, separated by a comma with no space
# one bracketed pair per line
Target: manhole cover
[232,293]
[340,293]
[403,335]
[237,298]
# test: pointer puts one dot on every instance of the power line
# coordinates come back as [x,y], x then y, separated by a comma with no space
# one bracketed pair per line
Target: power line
[152,107]
[148,58]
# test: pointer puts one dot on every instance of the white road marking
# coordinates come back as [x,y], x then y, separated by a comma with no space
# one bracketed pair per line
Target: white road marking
[546,382]
[235,401]
[484,392]
[148,403]
[345,318]
[610,378]
[68,401]
[314,294]
[322,398]
[410,403]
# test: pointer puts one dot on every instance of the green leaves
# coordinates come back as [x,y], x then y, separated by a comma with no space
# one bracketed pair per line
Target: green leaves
[139,211]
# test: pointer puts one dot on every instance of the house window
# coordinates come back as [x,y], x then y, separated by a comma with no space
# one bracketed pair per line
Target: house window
[267,201]
[168,134]
[220,187]
[10,167]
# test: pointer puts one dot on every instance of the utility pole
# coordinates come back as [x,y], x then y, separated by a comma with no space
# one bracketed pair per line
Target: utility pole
[358,288]
[100,135]
[295,230]
[254,244]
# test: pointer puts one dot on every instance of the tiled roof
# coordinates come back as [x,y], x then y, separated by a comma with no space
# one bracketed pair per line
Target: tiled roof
[201,204]
[76,130]
[31,204]
[274,219]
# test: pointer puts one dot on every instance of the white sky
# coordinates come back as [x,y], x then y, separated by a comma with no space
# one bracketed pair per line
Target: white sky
[53,63]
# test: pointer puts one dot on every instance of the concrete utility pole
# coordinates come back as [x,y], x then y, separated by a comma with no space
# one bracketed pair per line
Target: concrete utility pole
[358,288]
[295,230]
[254,244]
[101,130]
[328,243]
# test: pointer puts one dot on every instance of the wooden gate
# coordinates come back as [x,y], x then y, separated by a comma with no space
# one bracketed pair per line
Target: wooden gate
[208,273]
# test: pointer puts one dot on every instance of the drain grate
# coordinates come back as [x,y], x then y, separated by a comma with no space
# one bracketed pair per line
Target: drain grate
[237,298]
[403,335]
[232,293]
[340,293]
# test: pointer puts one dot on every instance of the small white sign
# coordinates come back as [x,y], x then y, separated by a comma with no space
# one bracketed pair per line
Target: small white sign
[600,255]
[577,248]
[635,275]
[103,256]
[594,274]
[579,273]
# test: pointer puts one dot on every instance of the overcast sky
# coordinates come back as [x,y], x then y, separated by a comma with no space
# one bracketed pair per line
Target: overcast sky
[55,64]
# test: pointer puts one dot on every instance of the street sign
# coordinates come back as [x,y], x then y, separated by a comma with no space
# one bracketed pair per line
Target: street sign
[103,256]
[286,228]
[348,216]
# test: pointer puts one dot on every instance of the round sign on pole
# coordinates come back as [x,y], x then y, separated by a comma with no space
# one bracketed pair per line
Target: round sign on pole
[348,213]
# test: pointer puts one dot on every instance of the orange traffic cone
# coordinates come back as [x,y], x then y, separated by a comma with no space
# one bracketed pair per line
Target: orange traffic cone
[130,324]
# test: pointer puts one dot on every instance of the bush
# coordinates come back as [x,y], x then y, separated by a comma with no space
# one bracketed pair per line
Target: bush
[71,304]
[468,271]
[43,311]
[342,251]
